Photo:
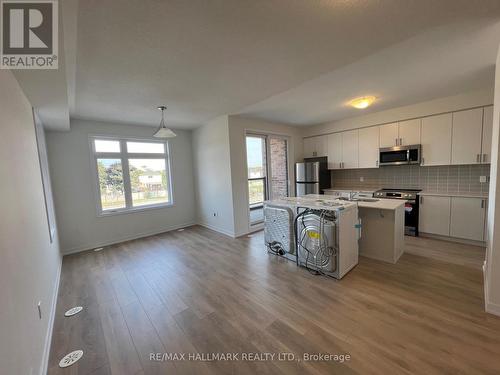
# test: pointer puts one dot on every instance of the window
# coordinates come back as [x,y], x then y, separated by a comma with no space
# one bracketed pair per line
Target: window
[131,174]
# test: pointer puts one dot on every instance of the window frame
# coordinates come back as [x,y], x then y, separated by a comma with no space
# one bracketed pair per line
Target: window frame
[124,156]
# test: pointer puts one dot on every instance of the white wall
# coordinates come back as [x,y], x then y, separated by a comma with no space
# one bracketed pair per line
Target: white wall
[441,105]
[492,267]
[238,126]
[29,263]
[71,169]
[213,176]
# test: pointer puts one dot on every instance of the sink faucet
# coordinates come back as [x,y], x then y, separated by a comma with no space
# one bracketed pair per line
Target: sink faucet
[352,194]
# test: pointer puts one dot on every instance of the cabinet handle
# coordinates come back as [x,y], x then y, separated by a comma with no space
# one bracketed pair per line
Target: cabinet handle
[482,203]
[376,163]
[400,141]
[485,156]
[423,160]
[478,158]
[421,200]
[396,141]
[315,153]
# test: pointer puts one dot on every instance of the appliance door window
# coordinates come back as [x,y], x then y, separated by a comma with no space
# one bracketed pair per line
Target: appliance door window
[307,188]
[394,156]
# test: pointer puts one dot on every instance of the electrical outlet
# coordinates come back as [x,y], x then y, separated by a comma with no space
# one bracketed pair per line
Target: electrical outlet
[482,179]
[39,306]
[361,179]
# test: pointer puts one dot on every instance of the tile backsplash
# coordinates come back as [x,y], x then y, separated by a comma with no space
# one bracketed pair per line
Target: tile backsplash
[439,179]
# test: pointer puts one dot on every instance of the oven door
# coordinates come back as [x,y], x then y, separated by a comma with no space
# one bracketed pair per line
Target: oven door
[411,218]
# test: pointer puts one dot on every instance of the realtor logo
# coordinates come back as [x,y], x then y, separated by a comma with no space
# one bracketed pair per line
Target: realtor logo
[29,34]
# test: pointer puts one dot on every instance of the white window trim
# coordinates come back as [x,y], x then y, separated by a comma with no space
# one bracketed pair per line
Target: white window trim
[123,155]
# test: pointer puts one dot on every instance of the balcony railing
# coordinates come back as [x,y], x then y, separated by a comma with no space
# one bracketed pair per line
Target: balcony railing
[256,191]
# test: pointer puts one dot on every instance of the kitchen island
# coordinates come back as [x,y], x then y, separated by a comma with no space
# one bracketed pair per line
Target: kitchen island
[382,227]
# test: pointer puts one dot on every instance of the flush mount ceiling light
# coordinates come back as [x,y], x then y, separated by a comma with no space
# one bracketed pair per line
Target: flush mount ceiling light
[362,102]
[163,131]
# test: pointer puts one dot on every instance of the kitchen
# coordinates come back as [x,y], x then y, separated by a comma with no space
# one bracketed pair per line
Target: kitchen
[435,166]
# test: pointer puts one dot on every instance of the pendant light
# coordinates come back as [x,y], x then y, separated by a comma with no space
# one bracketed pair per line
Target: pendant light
[163,131]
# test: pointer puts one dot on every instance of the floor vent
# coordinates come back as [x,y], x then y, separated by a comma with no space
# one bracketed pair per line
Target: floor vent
[73,311]
[71,358]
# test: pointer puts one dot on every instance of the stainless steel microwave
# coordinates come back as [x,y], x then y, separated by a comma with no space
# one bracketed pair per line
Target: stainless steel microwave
[400,155]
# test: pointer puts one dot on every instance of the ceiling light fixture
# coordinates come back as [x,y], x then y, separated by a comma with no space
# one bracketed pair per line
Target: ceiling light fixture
[163,131]
[362,102]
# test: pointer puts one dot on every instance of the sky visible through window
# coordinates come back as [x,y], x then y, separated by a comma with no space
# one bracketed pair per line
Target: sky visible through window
[254,152]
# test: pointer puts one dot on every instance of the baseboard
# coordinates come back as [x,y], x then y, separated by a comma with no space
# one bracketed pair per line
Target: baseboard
[453,239]
[50,328]
[493,308]
[126,238]
[223,231]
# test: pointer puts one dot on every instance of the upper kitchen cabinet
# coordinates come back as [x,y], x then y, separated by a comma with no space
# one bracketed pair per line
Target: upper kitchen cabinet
[401,133]
[315,146]
[409,132]
[467,136]
[436,139]
[487,132]
[368,147]
[334,150]
[350,149]
[389,135]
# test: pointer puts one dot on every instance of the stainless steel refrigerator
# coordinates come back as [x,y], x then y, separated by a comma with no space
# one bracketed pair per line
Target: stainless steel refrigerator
[312,176]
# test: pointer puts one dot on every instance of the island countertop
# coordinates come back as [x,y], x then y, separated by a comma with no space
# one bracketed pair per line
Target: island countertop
[381,204]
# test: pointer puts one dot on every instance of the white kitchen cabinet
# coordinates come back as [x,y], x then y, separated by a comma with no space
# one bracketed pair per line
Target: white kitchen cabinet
[467,218]
[434,215]
[334,150]
[487,133]
[389,135]
[436,139]
[466,136]
[368,147]
[350,149]
[315,146]
[409,132]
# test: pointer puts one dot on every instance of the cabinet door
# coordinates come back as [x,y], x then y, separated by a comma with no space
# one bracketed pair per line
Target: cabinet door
[368,147]
[467,218]
[436,139]
[466,136]
[350,149]
[434,215]
[334,145]
[321,145]
[309,147]
[409,132]
[487,132]
[315,146]
[389,135]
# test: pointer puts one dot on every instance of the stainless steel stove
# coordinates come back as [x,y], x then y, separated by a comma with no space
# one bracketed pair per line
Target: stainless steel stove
[411,206]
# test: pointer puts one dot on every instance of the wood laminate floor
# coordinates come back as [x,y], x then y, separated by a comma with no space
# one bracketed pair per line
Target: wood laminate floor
[197,291]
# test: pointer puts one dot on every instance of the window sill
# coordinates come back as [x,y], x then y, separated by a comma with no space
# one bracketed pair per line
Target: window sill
[123,211]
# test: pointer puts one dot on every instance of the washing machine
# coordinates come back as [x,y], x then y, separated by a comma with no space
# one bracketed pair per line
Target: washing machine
[317,244]
[279,231]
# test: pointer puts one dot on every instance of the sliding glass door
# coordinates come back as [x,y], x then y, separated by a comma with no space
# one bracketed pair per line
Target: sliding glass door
[267,163]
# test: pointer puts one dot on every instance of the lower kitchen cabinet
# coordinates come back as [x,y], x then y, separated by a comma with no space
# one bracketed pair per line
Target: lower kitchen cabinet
[434,215]
[467,218]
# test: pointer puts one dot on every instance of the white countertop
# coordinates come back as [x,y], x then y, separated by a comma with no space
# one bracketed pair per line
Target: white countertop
[364,190]
[381,204]
[312,201]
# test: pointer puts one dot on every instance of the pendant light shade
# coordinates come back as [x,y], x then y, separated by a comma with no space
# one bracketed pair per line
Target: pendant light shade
[163,131]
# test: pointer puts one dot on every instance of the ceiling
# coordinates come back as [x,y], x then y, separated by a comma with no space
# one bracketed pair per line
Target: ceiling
[293,61]
[445,61]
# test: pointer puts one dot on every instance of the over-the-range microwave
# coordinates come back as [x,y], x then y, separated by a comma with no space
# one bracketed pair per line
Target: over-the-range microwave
[400,155]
